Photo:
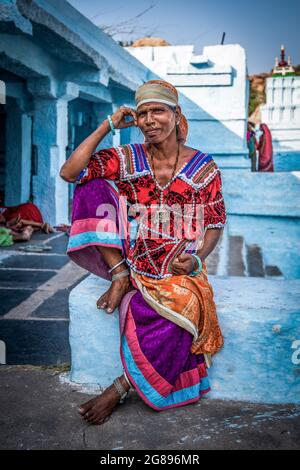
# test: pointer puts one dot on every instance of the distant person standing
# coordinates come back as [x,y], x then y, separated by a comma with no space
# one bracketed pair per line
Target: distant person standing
[265,149]
[252,144]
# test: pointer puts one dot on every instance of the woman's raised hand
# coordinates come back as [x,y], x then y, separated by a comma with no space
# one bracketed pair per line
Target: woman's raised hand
[118,118]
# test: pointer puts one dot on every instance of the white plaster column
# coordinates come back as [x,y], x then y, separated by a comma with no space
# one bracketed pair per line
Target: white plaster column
[283,114]
[269,93]
[288,84]
[278,93]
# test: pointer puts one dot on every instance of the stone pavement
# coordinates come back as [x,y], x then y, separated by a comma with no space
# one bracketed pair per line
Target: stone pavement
[38,411]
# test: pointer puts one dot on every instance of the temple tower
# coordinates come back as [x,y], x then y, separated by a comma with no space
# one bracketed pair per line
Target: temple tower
[282,109]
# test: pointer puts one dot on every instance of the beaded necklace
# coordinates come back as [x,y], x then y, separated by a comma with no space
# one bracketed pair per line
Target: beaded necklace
[162,214]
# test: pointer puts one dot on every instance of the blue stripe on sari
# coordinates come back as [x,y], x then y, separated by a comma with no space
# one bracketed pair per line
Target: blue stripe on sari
[94,237]
[175,398]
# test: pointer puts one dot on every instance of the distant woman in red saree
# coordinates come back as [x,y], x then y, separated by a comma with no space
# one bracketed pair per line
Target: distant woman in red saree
[265,150]
[23,220]
[168,322]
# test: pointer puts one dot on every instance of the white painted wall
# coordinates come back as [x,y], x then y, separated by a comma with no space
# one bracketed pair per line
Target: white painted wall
[213,95]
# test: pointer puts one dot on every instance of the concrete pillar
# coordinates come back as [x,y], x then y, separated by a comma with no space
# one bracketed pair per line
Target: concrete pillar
[132,134]
[100,112]
[18,155]
[117,136]
[50,138]
[26,126]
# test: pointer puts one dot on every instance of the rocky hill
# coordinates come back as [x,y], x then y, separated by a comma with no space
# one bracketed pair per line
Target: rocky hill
[257,91]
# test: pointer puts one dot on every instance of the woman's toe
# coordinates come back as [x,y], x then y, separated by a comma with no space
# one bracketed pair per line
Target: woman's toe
[91,417]
[82,410]
[85,407]
[96,420]
[106,419]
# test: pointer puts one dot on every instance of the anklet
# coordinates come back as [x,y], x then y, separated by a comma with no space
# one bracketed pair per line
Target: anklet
[127,379]
[116,265]
[120,389]
[120,275]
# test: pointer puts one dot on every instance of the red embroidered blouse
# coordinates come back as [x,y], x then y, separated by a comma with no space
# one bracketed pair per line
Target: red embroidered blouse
[157,241]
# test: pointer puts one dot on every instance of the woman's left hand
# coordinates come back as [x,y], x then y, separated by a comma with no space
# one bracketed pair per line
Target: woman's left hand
[47,228]
[184,264]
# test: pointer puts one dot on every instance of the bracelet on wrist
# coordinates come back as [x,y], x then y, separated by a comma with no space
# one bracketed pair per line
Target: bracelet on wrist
[199,268]
[111,124]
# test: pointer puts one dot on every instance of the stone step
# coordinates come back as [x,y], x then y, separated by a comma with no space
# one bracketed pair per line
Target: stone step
[273,271]
[255,261]
[212,261]
[236,265]
[255,266]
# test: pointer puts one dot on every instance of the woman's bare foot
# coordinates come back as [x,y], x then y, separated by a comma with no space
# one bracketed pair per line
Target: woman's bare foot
[99,409]
[23,236]
[111,299]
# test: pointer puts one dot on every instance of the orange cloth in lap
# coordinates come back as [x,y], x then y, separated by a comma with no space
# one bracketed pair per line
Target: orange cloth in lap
[193,299]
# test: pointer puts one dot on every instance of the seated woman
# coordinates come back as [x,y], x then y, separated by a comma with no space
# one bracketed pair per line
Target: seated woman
[23,220]
[147,216]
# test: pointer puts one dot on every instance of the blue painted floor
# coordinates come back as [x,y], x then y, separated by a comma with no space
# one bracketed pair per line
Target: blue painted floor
[43,337]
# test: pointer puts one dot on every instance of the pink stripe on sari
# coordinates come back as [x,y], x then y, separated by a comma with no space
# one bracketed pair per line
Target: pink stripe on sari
[148,402]
[187,379]
[161,385]
[93,225]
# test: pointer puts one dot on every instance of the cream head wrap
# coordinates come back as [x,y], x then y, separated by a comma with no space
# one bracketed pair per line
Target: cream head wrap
[155,92]
[160,91]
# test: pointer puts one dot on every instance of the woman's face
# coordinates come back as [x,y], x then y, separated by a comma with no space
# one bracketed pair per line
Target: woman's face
[156,121]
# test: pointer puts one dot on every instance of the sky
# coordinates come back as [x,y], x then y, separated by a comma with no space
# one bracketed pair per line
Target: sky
[260,26]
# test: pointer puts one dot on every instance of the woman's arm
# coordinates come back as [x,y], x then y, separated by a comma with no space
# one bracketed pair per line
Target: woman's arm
[79,159]
[186,263]
[211,238]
